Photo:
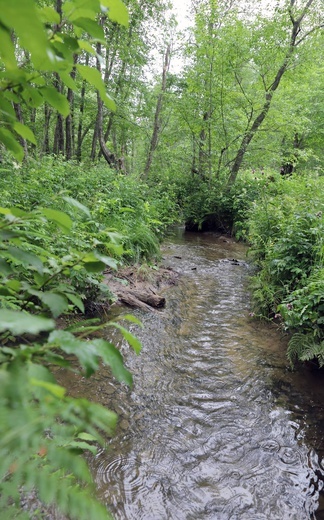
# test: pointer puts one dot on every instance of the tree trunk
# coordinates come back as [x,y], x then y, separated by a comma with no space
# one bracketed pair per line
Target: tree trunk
[204,155]
[157,117]
[19,115]
[58,145]
[109,156]
[81,114]
[250,133]
[69,121]
[94,141]
[47,118]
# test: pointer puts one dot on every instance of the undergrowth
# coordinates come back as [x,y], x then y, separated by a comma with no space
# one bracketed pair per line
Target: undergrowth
[284,226]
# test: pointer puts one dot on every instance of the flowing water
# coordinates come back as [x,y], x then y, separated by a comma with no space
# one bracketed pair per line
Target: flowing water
[216,426]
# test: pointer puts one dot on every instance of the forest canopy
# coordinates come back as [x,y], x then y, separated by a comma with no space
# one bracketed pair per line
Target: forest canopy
[76,83]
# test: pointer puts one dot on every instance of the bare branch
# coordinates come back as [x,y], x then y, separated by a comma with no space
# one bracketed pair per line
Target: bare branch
[308,33]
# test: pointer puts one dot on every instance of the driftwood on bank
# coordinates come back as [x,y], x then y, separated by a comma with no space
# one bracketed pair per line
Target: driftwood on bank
[138,287]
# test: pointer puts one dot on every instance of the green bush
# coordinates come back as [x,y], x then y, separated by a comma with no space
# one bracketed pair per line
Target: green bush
[285,230]
[119,204]
[42,431]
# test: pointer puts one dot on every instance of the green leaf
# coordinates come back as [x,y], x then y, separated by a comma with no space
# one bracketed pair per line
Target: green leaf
[56,303]
[84,351]
[14,15]
[78,205]
[85,13]
[6,109]
[5,267]
[91,27]
[87,437]
[108,101]
[17,212]
[49,15]
[86,46]
[14,285]
[21,322]
[32,96]
[11,144]
[56,100]
[96,259]
[117,11]
[61,219]
[112,357]
[68,81]
[107,260]
[7,51]
[76,300]
[27,259]
[94,267]
[83,446]
[40,372]
[133,319]
[129,337]
[77,9]
[93,76]
[24,132]
[127,210]
[56,390]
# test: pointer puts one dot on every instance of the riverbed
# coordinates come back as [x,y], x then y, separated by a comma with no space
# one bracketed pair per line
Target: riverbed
[217,426]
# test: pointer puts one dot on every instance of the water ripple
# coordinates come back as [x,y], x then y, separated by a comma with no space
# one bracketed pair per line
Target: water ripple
[210,435]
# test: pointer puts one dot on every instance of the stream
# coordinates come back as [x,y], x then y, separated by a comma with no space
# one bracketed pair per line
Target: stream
[216,427]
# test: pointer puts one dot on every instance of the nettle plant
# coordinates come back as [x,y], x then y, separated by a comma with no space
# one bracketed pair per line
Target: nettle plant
[42,430]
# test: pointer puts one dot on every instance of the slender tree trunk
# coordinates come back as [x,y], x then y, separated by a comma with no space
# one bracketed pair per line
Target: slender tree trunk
[250,133]
[47,118]
[158,110]
[120,81]
[94,141]
[109,156]
[19,115]
[58,145]
[69,121]
[81,115]
[204,155]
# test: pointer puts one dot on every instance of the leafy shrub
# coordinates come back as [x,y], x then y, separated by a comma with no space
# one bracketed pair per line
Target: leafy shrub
[42,431]
[119,204]
[286,235]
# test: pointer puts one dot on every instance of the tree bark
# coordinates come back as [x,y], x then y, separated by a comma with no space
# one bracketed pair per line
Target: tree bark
[19,115]
[69,121]
[157,116]
[109,156]
[47,118]
[81,115]
[58,145]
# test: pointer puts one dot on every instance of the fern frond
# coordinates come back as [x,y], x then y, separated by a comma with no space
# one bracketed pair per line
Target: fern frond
[303,347]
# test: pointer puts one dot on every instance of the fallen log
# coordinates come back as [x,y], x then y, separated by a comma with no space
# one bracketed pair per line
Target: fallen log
[136,298]
[152,299]
[135,288]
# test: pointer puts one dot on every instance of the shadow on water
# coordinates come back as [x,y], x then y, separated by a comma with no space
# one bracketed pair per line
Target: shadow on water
[216,426]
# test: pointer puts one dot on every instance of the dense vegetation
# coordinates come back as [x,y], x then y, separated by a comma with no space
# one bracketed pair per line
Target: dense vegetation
[91,180]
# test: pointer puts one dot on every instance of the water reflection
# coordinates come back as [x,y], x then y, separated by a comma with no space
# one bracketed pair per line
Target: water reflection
[216,427]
